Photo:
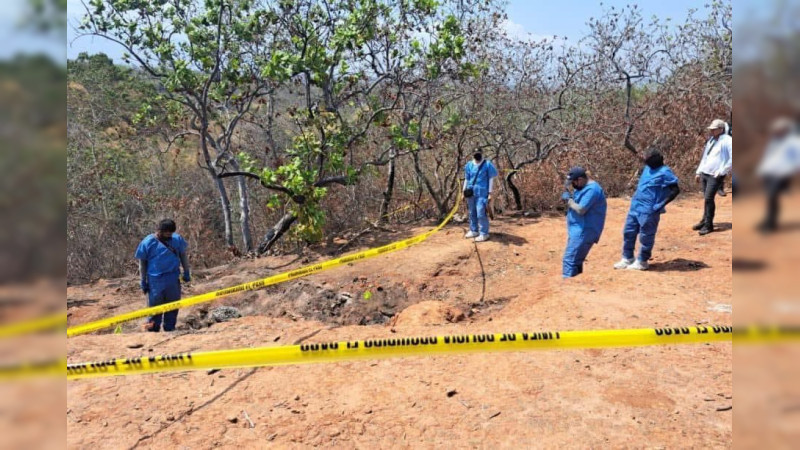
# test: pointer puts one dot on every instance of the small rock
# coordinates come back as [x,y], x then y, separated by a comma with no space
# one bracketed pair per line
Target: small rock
[454,315]
[452,392]
[297,398]
[233,419]
[105,423]
[272,436]
[170,418]
[212,371]
[225,313]
[135,346]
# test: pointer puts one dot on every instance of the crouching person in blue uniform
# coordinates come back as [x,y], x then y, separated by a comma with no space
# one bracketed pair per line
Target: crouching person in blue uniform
[160,257]
[657,187]
[586,217]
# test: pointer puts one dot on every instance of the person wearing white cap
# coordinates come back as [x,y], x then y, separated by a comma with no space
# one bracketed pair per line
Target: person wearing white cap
[716,163]
[780,162]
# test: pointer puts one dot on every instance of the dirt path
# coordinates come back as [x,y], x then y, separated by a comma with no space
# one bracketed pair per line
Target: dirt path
[654,397]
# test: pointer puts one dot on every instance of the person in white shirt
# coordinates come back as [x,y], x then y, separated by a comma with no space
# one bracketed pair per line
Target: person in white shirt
[716,163]
[780,162]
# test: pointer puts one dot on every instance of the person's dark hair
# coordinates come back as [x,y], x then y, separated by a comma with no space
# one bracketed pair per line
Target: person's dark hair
[654,158]
[167,225]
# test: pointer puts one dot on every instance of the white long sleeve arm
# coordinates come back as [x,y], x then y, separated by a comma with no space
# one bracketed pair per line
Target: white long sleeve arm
[491,184]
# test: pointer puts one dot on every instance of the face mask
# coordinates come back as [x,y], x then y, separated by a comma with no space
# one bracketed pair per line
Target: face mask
[478,157]
[575,185]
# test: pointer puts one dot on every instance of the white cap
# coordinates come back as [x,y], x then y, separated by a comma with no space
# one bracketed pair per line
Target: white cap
[717,123]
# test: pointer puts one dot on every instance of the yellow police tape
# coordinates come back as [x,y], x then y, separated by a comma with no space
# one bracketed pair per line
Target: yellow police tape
[32,326]
[258,284]
[54,368]
[397,347]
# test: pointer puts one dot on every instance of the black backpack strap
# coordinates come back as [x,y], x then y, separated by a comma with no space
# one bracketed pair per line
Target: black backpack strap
[475,177]
[169,247]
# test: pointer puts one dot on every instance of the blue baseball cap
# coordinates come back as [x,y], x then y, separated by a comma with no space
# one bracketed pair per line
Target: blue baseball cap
[576,172]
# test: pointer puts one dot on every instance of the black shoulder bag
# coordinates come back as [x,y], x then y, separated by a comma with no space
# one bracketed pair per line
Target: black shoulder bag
[468,192]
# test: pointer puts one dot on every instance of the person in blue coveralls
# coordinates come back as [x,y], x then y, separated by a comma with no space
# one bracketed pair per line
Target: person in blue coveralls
[586,217]
[478,183]
[160,257]
[658,186]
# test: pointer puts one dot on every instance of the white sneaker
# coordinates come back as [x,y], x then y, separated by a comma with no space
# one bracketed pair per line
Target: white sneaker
[623,263]
[470,235]
[482,238]
[638,265]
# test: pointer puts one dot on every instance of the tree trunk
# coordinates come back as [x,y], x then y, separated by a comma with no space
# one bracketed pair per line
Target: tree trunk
[514,190]
[441,202]
[244,211]
[226,211]
[387,194]
[223,193]
[244,208]
[276,232]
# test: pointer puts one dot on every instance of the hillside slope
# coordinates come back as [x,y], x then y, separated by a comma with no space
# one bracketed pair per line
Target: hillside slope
[656,397]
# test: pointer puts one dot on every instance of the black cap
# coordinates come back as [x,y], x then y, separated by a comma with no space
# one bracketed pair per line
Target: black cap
[575,173]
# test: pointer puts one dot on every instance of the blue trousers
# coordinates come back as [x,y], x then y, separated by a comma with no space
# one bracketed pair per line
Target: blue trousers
[645,226]
[161,292]
[577,249]
[478,219]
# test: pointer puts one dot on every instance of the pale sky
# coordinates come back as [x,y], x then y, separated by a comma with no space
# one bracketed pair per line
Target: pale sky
[16,39]
[535,18]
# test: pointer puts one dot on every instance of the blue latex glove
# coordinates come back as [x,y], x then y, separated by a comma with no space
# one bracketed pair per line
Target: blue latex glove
[145,287]
[658,207]
[187,278]
[566,196]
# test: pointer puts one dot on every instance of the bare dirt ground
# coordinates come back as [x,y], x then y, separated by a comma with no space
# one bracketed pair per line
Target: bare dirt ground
[767,413]
[670,396]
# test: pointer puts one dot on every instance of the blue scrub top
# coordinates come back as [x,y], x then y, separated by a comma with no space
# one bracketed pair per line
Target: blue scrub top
[589,226]
[161,260]
[481,187]
[653,189]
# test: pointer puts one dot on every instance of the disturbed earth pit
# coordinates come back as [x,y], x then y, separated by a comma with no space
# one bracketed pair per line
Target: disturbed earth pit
[666,396]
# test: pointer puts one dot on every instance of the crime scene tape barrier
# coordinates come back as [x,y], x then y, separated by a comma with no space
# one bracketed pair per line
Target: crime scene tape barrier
[32,326]
[258,284]
[54,368]
[398,347]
